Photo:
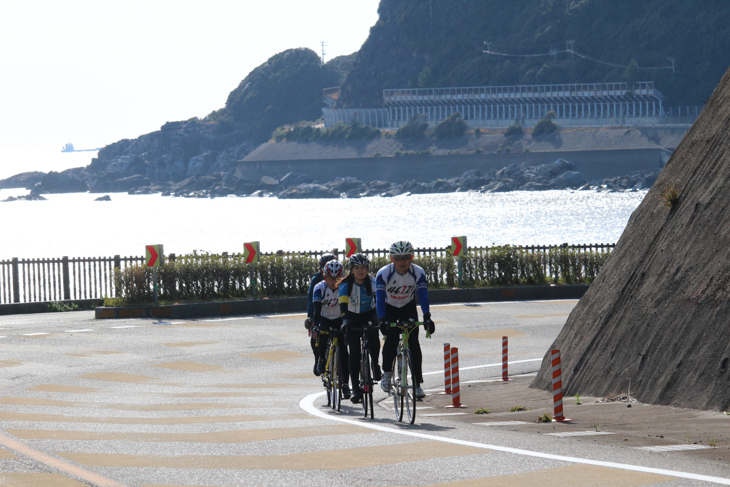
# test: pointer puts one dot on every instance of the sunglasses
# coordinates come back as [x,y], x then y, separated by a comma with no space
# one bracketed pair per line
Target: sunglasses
[401,258]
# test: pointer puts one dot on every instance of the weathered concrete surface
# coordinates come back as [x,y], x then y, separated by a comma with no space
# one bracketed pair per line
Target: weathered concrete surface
[656,318]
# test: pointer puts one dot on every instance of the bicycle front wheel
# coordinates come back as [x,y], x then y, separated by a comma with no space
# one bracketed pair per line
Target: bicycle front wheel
[410,386]
[397,387]
[366,385]
[336,380]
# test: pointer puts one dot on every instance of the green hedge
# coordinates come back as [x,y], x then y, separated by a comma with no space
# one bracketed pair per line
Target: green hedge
[206,277]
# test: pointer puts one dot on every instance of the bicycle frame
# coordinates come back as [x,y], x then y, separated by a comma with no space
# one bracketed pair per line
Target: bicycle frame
[403,393]
[366,380]
[331,376]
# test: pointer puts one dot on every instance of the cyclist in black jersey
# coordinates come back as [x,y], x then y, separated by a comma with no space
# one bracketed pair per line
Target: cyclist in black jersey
[357,306]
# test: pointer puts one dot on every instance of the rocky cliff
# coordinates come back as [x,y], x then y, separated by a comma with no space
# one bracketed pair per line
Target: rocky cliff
[655,321]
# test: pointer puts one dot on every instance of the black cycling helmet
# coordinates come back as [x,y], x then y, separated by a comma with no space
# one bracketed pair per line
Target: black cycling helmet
[325,258]
[359,259]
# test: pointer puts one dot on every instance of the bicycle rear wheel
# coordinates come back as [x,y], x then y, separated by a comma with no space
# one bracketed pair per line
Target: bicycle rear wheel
[397,387]
[366,384]
[336,380]
[410,386]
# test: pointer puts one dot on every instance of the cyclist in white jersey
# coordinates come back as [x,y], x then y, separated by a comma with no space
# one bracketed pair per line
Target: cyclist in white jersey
[396,287]
[327,317]
[316,279]
[357,306]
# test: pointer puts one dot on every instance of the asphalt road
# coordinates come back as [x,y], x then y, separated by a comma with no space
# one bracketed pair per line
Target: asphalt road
[233,402]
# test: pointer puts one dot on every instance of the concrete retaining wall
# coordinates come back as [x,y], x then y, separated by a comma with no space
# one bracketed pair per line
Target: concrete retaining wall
[593,165]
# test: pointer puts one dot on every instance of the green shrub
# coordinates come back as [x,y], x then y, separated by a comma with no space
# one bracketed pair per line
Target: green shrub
[546,125]
[514,130]
[415,129]
[454,126]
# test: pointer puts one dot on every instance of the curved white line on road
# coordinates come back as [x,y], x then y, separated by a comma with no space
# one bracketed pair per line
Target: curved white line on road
[489,365]
[307,404]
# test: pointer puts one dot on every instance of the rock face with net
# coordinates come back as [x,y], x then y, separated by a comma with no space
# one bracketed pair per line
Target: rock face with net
[656,321]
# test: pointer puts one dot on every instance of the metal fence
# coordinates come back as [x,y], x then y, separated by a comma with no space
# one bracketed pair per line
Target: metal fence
[80,278]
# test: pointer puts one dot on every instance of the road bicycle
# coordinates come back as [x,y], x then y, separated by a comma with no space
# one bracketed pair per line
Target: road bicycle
[366,375]
[331,379]
[403,390]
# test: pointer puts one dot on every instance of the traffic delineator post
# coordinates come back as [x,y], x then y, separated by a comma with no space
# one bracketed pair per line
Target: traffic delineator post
[447,369]
[557,387]
[505,361]
[455,393]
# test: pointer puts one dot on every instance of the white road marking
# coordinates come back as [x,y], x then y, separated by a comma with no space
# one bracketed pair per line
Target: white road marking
[307,404]
[79,331]
[34,334]
[126,326]
[440,414]
[461,369]
[503,423]
[580,433]
[673,447]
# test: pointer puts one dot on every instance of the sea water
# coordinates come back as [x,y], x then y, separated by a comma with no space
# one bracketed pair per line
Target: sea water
[75,225]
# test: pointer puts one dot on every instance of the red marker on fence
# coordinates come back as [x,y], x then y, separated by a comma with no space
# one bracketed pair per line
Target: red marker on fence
[447,369]
[505,375]
[455,394]
[557,387]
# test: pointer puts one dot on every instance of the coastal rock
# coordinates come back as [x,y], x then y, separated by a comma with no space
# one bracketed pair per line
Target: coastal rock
[653,322]
[69,181]
[308,191]
[106,197]
[25,180]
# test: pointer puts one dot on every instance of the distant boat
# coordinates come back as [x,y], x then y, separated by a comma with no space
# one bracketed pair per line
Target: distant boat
[70,148]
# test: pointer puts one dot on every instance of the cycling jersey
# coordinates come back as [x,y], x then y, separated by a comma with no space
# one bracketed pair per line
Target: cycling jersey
[316,279]
[398,290]
[329,299]
[358,300]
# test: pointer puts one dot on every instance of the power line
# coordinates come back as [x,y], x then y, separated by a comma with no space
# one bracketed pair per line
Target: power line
[573,52]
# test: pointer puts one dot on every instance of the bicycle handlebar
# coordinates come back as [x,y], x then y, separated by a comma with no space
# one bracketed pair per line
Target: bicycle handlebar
[408,326]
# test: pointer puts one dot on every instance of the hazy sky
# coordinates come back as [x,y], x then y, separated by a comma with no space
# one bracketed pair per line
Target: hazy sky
[92,72]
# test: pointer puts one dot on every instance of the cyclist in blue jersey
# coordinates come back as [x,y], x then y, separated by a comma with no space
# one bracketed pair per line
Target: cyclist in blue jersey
[326,317]
[316,279]
[396,287]
[357,306]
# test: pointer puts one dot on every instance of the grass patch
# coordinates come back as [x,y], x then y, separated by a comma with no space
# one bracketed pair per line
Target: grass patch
[545,418]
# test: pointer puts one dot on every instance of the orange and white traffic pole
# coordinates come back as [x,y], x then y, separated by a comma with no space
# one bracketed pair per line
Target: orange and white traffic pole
[455,394]
[505,375]
[447,369]
[557,387]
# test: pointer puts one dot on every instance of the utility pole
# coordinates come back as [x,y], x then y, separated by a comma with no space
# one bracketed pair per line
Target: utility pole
[569,47]
[430,11]
[674,63]
[322,43]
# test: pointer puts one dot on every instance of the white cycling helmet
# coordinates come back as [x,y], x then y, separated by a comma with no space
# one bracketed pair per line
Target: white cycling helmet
[333,268]
[401,247]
